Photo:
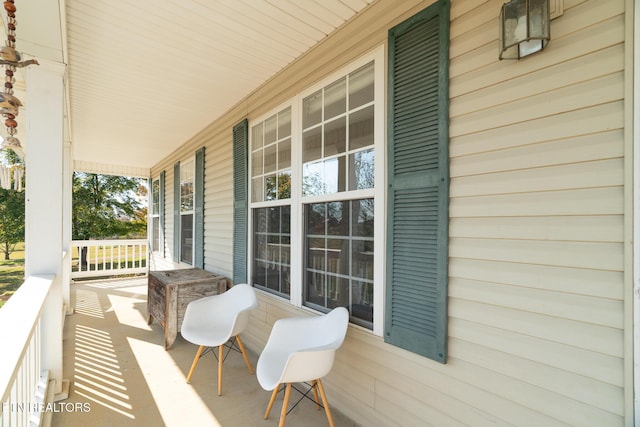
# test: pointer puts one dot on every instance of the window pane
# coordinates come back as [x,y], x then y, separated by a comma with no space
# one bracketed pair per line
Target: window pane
[361,128]
[270,130]
[284,123]
[285,224]
[270,159]
[271,249]
[256,136]
[361,86]
[312,145]
[155,242]
[316,253]
[186,197]
[270,187]
[284,154]
[337,292]
[186,238]
[335,137]
[155,197]
[335,99]
[257,190]
[362,259]
[338,218]
[314,289]
[338,256]
[260,220]
[312,109]
[362,301]
[312,178]
[361,170]
[362,215]
[256,163]
[260,249]
[284,185]
[274,220]
[335,175]
[316,219]
[339,264]
[186,186]
[259,273]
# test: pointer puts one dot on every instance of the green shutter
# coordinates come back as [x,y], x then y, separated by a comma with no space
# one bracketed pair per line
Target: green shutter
[199,210]
[240,201]
[161,206]
[416,304]
[176,212]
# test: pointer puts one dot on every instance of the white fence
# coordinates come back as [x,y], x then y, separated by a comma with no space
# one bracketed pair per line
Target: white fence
[99,258]
[23,381]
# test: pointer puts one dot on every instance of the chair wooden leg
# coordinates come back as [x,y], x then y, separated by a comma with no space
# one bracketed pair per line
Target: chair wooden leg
[220,359]
[285,404]
[325,403]
[273,399]
[195,362]
[244,354]
[314,385]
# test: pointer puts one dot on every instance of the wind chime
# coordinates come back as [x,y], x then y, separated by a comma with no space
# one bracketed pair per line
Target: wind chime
[9,104]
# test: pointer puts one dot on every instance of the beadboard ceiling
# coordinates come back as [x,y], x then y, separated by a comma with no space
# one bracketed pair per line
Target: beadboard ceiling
[145,76]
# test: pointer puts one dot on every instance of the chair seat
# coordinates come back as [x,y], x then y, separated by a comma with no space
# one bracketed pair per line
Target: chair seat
[207,336]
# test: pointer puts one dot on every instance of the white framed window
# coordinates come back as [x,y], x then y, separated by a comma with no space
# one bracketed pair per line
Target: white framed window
[330,214]
[270,175]
[155,215]
[187,191]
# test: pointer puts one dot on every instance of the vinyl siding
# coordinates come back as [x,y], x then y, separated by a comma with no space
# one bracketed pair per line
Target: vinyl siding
[536,253]
[536,234]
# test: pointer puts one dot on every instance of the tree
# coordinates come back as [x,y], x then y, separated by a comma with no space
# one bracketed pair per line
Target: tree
[107,206]
[12,207]
[11,220]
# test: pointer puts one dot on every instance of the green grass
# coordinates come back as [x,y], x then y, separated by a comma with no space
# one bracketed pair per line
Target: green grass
[11,273]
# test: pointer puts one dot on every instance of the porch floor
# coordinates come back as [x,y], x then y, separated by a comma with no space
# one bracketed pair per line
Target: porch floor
[120,373]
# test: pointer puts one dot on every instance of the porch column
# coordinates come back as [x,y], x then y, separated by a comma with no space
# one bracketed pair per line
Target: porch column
[67,191]
[45,200]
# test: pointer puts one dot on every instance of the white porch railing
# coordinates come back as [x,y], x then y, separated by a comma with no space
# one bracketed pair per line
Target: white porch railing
[93,258]
[23,381]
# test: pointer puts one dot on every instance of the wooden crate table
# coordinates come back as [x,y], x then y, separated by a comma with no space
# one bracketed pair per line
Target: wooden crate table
[169,292]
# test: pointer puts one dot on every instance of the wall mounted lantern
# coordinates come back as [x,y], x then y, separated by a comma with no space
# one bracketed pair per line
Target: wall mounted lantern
[524,28]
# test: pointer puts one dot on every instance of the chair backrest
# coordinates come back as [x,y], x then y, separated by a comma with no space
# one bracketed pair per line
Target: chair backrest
[329,330]
[240,298]
[228,310]
[302,348]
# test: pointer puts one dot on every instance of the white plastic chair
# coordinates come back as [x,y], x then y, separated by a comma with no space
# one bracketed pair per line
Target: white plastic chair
[301,349]
[215,320]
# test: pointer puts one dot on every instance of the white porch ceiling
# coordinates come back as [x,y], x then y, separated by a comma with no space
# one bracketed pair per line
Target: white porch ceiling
[145,76]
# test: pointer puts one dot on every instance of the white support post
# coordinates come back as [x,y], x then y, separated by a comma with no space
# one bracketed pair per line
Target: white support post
[45,200]
[67,183]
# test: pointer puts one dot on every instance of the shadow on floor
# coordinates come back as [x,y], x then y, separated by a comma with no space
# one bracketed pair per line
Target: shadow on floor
[121,375]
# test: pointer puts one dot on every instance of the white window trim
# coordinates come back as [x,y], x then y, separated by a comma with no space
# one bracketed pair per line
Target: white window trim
[295,141]
[152,215]
[297,200]
[192,160]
